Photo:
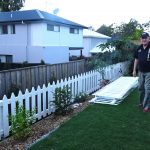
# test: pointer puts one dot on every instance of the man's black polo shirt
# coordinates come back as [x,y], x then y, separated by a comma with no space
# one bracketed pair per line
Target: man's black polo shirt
[143,55]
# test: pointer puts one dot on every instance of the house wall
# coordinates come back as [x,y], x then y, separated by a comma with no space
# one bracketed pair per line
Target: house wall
[51,54]
[87,46]
[41,37]
[89,43]
[20,38]
[28,42]
[34,54]
[36,34]
[18,52]
[95,41]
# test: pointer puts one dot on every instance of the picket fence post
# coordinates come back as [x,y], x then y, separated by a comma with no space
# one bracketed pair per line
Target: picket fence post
[1,117]
[5,117]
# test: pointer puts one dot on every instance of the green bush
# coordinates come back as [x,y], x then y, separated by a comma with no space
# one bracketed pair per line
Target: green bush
[62,100]
[42,62]
[21,123]
[82,97]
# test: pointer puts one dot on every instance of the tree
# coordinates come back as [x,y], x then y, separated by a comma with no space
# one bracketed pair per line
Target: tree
[131,30]
[106,30]
[11,5]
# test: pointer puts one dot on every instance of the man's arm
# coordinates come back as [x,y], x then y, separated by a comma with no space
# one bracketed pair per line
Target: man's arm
[135,67]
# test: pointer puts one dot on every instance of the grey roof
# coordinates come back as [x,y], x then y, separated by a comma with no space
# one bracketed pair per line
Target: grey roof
[35,16]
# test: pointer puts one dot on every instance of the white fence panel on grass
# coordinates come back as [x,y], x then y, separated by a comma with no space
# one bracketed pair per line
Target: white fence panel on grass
[41,99]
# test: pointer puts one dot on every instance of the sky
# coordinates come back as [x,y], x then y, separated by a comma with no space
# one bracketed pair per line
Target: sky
[95,12]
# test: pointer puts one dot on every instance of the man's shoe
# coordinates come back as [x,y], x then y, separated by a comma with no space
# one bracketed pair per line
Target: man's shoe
[146,110]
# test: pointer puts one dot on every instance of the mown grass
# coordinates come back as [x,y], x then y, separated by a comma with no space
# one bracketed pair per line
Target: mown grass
[103,127]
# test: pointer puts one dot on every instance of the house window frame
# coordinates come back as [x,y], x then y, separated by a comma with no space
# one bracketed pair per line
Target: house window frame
[8,58]
[51,27]
[7,29]
[4,29]
[12,29]
[74,31]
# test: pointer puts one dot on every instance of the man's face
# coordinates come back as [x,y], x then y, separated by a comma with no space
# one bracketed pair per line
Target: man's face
[145,41]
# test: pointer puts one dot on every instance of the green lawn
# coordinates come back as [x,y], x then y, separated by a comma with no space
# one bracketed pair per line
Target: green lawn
[103,127]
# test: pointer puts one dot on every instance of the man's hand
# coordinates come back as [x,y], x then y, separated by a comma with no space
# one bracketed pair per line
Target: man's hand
[134,67]
[134,73]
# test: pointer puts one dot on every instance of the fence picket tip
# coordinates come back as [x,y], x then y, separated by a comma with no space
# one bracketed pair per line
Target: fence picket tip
[49,85]
[57,82]
[53,83]
[13,95]
[38,88]
[72,77]
[5,97]
[33,89]
[44,86]
[26,91]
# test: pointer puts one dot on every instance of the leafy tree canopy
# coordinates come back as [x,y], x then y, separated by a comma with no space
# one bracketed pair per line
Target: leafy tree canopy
[107,30]
[11,5]
[131,30]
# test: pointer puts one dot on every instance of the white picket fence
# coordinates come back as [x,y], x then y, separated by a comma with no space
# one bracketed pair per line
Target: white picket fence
[42,98]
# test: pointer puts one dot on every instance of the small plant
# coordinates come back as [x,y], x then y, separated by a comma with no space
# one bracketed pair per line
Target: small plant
[62,100]
[42,62]
[7,66]
[82,97]
[13,89]
[21,122]
[25,63]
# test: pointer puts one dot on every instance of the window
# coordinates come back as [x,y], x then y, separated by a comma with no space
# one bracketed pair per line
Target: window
[4,29]
[6,58]
[74,31]
[7,29]
[12,29]
[57,28]
[9,58]
[53,28]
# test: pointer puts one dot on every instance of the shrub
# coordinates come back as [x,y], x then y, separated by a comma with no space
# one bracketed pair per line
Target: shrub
[25,63]
[62,100]
[42,62]
[82,97]
[7,66]
[21,122]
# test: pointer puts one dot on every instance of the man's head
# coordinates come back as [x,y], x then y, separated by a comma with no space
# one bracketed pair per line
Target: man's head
[145,38]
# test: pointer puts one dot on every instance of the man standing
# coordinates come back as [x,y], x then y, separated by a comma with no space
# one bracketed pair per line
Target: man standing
[142,60]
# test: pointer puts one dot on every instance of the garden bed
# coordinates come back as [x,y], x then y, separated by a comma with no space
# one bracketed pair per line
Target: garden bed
[40,129]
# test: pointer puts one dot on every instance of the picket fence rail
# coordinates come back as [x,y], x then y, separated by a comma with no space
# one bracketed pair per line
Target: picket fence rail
[42,97]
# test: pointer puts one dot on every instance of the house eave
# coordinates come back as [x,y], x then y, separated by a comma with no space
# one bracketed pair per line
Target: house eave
[40,21]
[86,36]
[76,48]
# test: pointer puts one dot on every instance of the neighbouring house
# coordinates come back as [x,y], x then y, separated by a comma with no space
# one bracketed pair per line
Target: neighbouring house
[35,35]
[91,40]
